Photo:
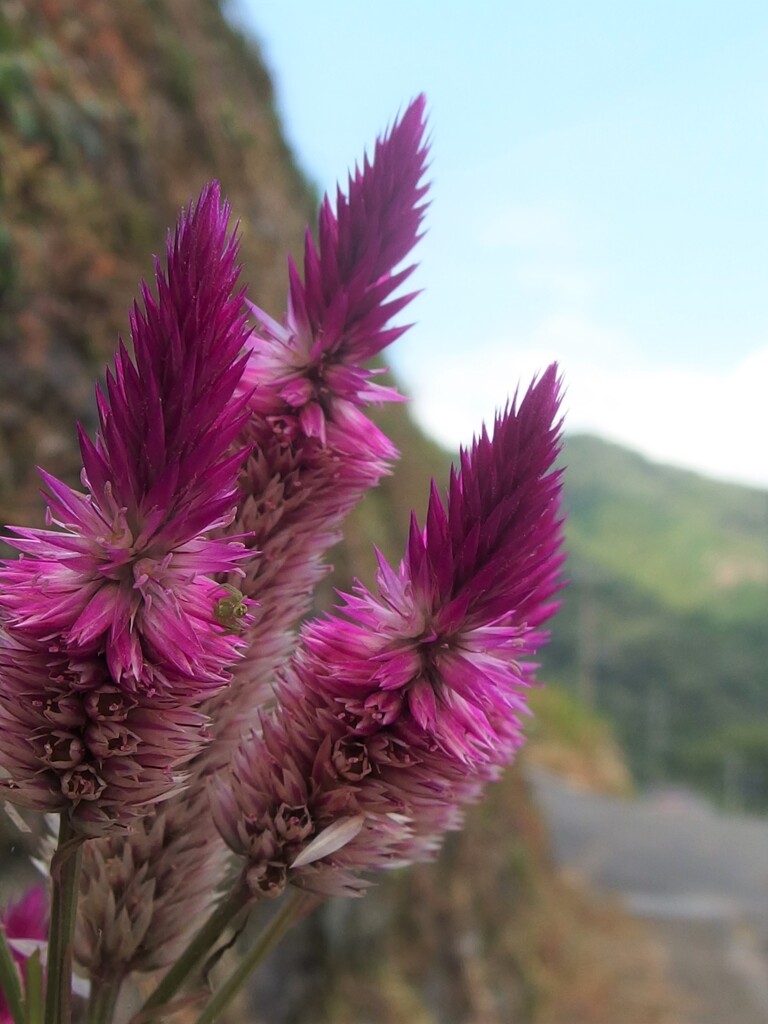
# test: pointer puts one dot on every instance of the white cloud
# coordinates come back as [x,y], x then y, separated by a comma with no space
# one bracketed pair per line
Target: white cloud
[714,423]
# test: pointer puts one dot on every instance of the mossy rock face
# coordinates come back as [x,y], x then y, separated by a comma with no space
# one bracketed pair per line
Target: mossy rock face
[110,121]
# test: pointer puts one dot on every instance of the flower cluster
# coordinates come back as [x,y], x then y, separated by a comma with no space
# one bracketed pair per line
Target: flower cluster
[139,890]
[294,490]
[149,674]
[112,629]
[396,710]
[338,315]
[74,740]
[313,452]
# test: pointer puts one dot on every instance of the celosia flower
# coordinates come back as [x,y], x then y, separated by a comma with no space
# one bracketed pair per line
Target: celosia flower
[313,454]
[113,628]
[338,316]
[128,575]
[138,891]
[396,711]
[25,924]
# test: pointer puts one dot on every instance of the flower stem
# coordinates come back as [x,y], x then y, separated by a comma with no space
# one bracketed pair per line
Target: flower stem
[34,974]
[65,874]
[236,903]
[101,1005]
[10,985]
[267,940]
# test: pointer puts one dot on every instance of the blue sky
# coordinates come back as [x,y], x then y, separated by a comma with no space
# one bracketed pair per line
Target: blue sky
[600,197]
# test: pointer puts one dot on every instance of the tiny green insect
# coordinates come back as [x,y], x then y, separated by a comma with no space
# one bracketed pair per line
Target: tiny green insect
[231,610]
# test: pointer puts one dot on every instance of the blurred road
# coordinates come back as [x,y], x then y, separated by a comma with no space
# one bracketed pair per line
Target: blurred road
[698,876]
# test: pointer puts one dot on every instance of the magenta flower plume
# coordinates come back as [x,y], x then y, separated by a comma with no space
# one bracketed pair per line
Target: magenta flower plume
[313,452]
[25,924]
[398,710]
[128,575]
[113,627]
[438,651]
[338,316]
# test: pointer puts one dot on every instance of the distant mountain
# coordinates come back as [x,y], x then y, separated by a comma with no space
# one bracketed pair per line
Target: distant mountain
[664,626]
[691,542]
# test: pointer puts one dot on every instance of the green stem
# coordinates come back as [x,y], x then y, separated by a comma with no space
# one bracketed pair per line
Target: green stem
[65,874]
[102,1002]
[10,985]
[270,936]
[34,971]
[236,903]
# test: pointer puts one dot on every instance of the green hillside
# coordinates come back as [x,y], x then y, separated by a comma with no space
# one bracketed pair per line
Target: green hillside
[663,625]
[689,542]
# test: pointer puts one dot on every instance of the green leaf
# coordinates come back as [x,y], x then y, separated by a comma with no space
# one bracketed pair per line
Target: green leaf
[10,981]
[34,971]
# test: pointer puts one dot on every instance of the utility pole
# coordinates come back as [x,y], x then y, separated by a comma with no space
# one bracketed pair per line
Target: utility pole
[657,733]
[587,645]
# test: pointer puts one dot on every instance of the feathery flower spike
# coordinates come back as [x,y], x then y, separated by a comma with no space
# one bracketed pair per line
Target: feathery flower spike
[110,627]
[128,575]
[313,453]
[338,316]
[398,709]
[297,485]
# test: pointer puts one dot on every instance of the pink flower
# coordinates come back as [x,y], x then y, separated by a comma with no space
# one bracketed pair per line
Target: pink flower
[397,710]
[313,453]
[440,653]
[25,924]
[338,317]
[129,574]
[113,627]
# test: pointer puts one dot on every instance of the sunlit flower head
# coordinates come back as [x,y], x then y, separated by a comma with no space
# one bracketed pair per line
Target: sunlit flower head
[128,573]
[114,625]
[397,709]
